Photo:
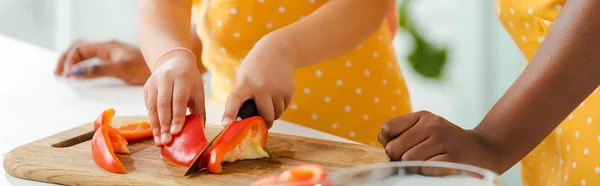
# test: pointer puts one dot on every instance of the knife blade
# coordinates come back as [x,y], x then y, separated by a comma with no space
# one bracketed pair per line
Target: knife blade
[248,109]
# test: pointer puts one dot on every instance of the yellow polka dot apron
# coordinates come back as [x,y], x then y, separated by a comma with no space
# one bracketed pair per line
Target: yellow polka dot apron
[350,96]
[570,155]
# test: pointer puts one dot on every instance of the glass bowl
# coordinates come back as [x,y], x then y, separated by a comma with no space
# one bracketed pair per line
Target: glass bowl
[417,173]
[408,173]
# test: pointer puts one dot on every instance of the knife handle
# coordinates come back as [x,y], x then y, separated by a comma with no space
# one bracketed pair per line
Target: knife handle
[248,109]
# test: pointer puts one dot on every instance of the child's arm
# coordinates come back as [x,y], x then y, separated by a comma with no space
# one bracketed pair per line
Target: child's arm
[334,29]
[266,74]
[175,83]
[197,49]
[561,75]
[163,25]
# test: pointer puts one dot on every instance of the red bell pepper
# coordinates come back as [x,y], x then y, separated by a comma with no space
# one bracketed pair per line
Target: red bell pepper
[186,145]
[310,173]
[118,141]
[103,151]
[105,118]
[245,139]
[302,175]
[136,130]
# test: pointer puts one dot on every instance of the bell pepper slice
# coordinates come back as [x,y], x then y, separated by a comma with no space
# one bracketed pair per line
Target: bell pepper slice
[136,130]
[311,173]
[241,140]
[186,145]
[105,118]
[103,152]
[301,175]
[119,142]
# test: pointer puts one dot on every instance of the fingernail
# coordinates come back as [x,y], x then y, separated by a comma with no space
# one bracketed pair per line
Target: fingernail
[78,71]
[166,138]
[226,121]
[176,126]
[156,141]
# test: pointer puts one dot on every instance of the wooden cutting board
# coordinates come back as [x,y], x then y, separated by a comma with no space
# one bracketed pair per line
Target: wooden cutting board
[65,158]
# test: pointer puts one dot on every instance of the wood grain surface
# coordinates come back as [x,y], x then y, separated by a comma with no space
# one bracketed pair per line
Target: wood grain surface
[65,158]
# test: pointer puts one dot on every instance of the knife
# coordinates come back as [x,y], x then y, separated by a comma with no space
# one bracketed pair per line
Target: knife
[247,110]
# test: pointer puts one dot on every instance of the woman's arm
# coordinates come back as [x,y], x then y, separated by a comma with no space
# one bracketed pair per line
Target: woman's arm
[163,25]
[561,75]
[336,28]
[564,71]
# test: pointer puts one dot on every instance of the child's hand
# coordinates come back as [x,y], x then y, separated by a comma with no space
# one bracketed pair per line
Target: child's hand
[174,86]
[267,76]
[423,136]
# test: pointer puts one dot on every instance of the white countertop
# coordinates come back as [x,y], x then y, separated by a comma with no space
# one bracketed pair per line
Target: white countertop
[34,103]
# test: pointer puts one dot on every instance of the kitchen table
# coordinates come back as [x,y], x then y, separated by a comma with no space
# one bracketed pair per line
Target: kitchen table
[34,103]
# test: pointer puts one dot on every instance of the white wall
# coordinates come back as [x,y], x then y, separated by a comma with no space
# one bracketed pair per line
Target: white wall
[28,20]
[55,24]
[96,20]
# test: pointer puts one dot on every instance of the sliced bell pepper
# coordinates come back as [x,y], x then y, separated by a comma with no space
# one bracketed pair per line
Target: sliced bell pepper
[105,118]
[302,175]
[241,140]
[103,152]
[136,130]
[186,145]
[118,141]
[310,173]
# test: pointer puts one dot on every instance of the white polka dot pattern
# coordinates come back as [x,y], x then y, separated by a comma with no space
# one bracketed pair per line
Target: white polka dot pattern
[349,96]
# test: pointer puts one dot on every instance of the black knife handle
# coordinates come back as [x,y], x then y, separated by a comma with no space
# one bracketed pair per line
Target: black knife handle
[248,109]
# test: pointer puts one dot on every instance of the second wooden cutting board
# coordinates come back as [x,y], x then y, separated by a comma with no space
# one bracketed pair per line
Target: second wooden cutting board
[65,158]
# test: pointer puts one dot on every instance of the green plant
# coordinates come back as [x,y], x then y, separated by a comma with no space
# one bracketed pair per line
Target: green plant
[425,58]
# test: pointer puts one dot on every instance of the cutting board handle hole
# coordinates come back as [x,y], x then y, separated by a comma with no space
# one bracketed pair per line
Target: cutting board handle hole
[74,140]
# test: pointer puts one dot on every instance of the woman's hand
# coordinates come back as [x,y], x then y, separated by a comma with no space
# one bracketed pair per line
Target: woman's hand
[267,76]
[423,136]
[116,60]
[175,85]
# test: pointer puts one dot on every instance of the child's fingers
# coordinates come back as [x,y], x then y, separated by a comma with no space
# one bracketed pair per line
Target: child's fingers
[181,97]
[196,104]
[279,106]
[164,105]
[236,98]
[264,102]
[150,93]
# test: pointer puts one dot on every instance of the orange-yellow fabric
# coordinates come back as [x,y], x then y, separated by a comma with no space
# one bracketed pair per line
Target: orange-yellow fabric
[350,96]
[570,155]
